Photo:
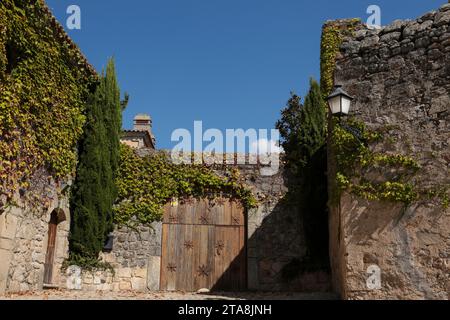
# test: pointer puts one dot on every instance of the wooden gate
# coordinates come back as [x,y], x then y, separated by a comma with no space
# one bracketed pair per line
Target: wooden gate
[203,246]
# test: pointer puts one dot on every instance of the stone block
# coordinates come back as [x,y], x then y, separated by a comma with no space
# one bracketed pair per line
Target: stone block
[407,46]
[141,263]
[427,16]
[154,273]
[97,280]
[422,42]
[106,287]
[369,43]
[6,244]
[115,286]
[435,54]
[139,284]
[124,272]
[87,277]
[396,25]
[442,18]
[8,226]
[140,273]
[155,250]
[440,104]
[125,285]
[445,7]
[390,37]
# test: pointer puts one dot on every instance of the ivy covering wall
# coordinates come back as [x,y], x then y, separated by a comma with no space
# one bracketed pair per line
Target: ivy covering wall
[146,184]
[353,157]
[44,83]
[332,34]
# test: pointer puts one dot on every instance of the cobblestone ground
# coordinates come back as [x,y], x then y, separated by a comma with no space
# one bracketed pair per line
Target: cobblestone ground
[76,295]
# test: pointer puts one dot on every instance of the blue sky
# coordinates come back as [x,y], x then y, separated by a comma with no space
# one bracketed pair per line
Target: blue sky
[229,63]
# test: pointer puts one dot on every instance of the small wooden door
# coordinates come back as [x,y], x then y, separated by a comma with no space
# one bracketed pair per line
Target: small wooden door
[203,246]
[50,256]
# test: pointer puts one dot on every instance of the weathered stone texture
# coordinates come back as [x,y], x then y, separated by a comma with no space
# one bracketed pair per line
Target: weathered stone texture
[132,248]
[133,257]
[24,240]
[275,236]
[275,239]
[400,76]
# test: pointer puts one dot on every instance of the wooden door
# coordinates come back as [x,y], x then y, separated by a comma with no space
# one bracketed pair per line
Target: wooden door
[203,246]
[50,256]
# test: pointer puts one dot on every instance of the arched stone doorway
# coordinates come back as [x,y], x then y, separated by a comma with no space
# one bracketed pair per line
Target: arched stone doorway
[56,217]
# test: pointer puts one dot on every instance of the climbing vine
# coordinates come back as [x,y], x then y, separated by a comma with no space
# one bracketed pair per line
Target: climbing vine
[44,82]
[354,157]
[331,41]
[332,37]
[146,184]
[394,173]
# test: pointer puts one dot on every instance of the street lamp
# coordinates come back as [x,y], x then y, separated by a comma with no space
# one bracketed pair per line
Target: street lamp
[339,102]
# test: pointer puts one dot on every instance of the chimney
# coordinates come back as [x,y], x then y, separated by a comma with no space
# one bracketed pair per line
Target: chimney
[143,122]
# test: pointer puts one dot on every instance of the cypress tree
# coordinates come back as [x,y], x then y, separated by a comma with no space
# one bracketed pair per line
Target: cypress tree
[313,122]
[302,127]
[290,126]
[94,191]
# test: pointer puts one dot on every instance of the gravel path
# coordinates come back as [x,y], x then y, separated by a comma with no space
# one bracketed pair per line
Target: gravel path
[76,295]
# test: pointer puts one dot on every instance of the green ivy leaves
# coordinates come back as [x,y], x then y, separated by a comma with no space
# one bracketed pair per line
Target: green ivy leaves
[332,35]
[330,43]
[146,184]
[355,158]
[42,96]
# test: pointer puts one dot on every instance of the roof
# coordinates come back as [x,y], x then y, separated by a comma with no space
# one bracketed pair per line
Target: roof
[149,140]
[338,91]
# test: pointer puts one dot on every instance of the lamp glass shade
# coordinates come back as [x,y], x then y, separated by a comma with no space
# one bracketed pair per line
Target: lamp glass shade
[335,104]
[345,105]
[339,105]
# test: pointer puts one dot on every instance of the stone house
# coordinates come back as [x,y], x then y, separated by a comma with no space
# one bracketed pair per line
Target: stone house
[34,238]
[141,136]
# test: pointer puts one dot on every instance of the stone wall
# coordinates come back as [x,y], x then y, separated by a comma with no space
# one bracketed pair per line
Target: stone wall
[135,258]
[275,241]
[400,76]
[24,239]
